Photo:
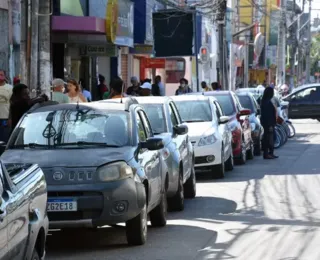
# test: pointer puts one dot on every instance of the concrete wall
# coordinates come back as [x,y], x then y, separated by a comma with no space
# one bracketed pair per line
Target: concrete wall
[4,39]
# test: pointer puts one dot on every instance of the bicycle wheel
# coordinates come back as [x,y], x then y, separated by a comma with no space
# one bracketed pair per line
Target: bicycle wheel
[284,133]
[286,128]
[292,129]
[281,133]
[277,138]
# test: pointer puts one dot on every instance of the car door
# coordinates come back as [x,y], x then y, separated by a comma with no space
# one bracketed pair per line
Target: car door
[155,173]
[303,103]
[222,128]
[181,141]
[4,255]
[245,122]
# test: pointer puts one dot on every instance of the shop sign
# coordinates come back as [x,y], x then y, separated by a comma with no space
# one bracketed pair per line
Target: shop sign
[125,23]
[141,49]
[98,50]
[112,20]
[155,63]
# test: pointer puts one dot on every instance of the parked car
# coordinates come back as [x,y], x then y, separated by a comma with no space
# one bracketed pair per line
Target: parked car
[248,101]
[239,124]
[208,132]
[23,217]
[178,152]
[101,162]
[304,102]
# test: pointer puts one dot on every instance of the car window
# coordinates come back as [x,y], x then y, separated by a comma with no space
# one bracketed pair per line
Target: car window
[51,129]
[146,124]
[173,117]
[226,104]
[141,131]
[237,102]
[308,94]
[218,111]
[246,102]
[194,111]
[155,113]
[176,112]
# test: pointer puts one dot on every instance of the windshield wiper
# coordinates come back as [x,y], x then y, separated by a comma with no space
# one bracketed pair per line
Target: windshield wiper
[80,143]
[29,145]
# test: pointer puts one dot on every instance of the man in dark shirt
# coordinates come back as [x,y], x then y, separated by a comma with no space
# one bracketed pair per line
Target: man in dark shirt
[134,89]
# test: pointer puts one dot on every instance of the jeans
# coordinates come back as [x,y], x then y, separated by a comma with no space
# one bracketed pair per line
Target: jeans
[268,141]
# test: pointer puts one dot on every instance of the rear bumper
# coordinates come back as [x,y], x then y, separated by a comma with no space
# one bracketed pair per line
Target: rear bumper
[99,204]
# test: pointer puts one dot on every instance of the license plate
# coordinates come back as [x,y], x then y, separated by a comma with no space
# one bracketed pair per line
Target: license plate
[55,205]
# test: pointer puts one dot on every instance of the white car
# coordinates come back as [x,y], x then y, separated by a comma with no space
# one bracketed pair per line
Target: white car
[208,131]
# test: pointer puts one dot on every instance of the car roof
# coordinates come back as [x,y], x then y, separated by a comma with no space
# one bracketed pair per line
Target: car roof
[153,100]
[306,86]
[216,93]
[194,97]
[243,93]
[73,106]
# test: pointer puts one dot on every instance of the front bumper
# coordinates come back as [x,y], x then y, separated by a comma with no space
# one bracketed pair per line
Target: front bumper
[207,155]
[98,204]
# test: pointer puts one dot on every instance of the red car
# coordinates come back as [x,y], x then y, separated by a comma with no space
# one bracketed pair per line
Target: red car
[242,143]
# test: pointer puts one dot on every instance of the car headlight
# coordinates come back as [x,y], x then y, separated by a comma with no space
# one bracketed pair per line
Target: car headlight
[115,171]
[253,126]
[207,140]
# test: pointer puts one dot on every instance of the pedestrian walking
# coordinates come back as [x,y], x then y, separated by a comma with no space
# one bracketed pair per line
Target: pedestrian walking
[183,87]
[20,103]
[205,87]
[134,89]
[5,95]
[268,121]
[215,86]
[117,88]
[161,86]
[146,88]
[74,92]
[58,92]
[102,87]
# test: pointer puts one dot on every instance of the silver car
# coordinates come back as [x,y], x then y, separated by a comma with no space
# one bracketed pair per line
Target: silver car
[178,151]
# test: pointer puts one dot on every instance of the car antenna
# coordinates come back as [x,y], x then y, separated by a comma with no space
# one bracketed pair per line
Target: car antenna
[122,92]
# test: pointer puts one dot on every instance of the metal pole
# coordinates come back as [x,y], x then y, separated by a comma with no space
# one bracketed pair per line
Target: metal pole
[246,61]
[196,47]
[34,48]
[308,47]
[221,56]
[293,47]
[281,50]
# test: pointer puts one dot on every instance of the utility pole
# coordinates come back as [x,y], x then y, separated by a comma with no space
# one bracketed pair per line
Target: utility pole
[308,47]
[23,42]
[293,29]
[231,58]
[281,50]
[34,48]
[44,46]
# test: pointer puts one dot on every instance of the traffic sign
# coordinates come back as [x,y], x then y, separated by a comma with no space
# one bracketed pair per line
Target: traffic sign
[204,54]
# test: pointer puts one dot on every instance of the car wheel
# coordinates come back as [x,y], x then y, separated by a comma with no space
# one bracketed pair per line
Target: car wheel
[137,228]
[250,152]
[230,163]
[243,155]
[176,203]
[158,216]
[190,187]
[35,255]
[218,171]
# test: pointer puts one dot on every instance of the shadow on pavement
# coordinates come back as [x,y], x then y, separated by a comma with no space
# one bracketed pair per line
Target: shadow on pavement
[110,243]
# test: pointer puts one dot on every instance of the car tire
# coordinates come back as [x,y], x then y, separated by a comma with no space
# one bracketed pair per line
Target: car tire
[218,171]
[158,216]
[190,187]
[243,156]
[35,255]
[137,228]
[176,203]
[250,152]
[230,163]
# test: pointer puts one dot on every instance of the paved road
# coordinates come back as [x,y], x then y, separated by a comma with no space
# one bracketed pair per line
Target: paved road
[263,210]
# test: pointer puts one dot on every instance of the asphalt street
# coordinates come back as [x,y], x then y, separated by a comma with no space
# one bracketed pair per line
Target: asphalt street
[266,209]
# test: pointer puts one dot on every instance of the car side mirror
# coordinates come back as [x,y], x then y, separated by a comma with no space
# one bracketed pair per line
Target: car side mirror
[180,129]
[224,119]
[152,144]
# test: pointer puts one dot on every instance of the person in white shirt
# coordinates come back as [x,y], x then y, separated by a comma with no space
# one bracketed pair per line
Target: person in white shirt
[5,95]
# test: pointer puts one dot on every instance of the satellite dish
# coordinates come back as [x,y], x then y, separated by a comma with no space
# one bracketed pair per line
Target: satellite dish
[258,44]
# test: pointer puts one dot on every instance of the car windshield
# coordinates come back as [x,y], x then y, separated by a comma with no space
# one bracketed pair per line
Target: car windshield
[194,111]
[72,129]
[226,104]
[156,117]
[246,102]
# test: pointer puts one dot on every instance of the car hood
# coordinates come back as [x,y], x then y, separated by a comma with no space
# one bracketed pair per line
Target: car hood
[68,157]
[198,129]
